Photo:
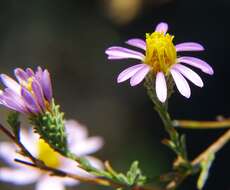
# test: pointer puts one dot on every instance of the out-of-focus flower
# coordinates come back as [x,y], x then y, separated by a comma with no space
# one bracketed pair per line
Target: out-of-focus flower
[122,11]
[161,59]
[125,11]
[30,94]
[79,143]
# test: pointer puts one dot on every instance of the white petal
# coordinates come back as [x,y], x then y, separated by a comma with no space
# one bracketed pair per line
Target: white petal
[198,63]
[76,132]
[95,162]
[162,27]
[189,46]
[7,152]
[181,83]
[87,146]
[18,176]
[139,75]
[29,139]
[49,183]
[72,167]
[161,87]
[69,182]
[117,52]
[189,74]
[128,73]
[11,83]
[137,43]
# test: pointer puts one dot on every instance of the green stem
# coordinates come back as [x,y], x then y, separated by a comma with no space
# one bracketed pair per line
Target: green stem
[162,109]
[87,166]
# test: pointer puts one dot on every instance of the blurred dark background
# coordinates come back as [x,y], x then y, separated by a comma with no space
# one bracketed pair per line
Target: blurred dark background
[70,37]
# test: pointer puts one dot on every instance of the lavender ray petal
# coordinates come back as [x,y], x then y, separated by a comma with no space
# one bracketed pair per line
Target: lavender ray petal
[11,104]
[30,101]
[189,46]
[47,86]
[1,93]
[129,72]
[181,83]
[161,87]
[137,43]
[162,27]
[11,100]
[21,75]
[124,53]
[139,75]
[198,63]
[38,74]
[30,72]
[189,74]
[38,93]
[10,83]
[11,94]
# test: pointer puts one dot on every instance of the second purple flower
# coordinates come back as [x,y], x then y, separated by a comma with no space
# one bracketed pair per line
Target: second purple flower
[160,58]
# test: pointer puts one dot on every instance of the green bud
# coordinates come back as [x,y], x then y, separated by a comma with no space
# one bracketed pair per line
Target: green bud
[50,127]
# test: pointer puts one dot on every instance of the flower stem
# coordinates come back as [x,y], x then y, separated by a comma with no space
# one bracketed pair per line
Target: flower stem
[87,166]
[162,109]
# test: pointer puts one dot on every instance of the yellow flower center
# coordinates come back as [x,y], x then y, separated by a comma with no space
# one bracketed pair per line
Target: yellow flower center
[48,155]
[160,52]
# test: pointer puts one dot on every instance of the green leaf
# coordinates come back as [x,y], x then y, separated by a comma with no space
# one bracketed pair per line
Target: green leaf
[183,146]
[134,175]
[205,167]
[13,121]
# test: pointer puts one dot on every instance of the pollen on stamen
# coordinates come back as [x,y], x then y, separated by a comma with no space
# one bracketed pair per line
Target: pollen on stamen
[160,52]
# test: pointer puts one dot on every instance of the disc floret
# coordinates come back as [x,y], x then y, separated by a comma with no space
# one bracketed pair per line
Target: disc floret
[160,52]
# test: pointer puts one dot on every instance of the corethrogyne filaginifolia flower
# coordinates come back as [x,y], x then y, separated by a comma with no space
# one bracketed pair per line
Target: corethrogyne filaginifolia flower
[30,94]
[79,143]
[160,57]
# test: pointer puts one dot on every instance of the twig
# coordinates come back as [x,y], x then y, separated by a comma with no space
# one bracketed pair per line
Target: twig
[189,124]
[212,149]
[61,173]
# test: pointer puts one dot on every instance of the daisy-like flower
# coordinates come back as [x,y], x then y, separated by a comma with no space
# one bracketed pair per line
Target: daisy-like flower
[30,94]
[161,59]
[79,143]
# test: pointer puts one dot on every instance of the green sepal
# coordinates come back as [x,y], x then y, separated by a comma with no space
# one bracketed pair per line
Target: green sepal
[50,127]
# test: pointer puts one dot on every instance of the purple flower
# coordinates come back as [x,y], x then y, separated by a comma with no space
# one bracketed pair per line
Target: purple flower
[159,56]
[30,94]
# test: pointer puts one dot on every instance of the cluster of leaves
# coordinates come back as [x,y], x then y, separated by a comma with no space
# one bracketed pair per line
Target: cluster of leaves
[132,177]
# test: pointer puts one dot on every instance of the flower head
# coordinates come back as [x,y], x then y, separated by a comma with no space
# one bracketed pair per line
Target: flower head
[160,58]
[30,94]
[79,143]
